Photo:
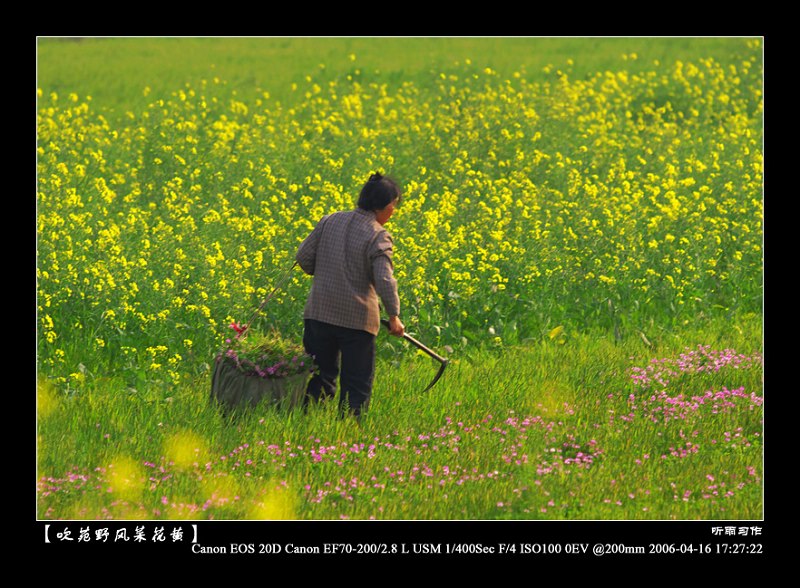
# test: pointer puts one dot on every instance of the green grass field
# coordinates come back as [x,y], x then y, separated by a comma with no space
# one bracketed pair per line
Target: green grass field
[581,233]
[115,71]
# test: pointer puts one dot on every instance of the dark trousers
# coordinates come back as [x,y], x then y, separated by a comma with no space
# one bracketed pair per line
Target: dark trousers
[327,344]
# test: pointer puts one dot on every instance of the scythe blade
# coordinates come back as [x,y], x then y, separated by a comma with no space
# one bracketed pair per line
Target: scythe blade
[443,361]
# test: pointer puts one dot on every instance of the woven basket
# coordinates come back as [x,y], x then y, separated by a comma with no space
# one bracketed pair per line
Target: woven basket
[233,389]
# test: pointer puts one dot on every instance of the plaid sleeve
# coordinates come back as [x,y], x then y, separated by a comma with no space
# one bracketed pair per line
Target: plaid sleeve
[383,273]
[307,252]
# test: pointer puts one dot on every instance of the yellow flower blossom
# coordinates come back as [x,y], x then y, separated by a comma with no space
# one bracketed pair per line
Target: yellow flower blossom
[522,194]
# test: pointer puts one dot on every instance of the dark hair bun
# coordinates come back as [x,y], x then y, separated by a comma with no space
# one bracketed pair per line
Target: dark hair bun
[378,192]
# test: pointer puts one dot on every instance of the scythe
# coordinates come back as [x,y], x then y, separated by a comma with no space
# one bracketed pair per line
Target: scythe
[443,361]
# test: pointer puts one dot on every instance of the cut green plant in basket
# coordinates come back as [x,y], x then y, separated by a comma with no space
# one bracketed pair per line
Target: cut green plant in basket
[266,355]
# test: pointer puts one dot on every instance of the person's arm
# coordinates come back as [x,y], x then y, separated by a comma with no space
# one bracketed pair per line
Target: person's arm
[307,252]
[385,283]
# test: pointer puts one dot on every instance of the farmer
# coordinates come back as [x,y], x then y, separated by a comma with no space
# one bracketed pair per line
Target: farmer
[349,253]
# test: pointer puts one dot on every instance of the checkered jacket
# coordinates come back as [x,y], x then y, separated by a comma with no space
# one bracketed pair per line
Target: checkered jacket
[350,256]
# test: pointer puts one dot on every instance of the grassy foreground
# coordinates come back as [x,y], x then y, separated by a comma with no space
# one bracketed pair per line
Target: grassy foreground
[586,429]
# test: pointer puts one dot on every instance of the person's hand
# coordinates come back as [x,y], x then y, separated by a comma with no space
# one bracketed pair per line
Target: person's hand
[396,327]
